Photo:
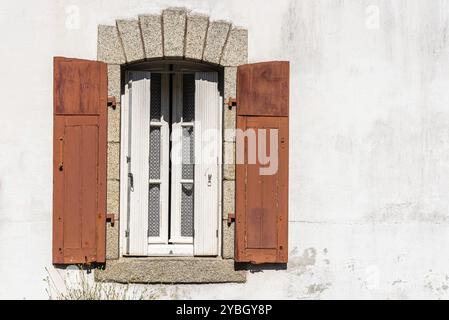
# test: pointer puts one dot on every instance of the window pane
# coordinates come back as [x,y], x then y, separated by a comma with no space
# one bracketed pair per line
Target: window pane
[153,210]
[187,152]
[187,210]
[188,93]
[155,108]
[155,152]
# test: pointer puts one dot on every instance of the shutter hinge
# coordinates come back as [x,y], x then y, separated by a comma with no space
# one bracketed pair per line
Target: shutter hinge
[232,102]
[231,218]
[110,217]
[112,102]
[126,233]
[128,159]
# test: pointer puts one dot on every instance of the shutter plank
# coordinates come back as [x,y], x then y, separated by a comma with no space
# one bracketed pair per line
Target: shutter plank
[262,200]
[263,89]
[207,113]
[79,190]
[140,133]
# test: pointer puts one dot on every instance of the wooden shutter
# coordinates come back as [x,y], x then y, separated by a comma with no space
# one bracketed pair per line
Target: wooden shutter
[140,90]
[262,200]
[207,153]
[79,161]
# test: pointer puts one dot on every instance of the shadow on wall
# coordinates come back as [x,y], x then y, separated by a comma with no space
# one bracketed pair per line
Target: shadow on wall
[253,268]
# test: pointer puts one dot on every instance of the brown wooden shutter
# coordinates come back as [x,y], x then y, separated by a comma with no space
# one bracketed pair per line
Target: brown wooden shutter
[79,161]
[262,200]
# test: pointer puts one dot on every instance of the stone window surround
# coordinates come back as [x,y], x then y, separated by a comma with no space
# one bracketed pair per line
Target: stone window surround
[183,35]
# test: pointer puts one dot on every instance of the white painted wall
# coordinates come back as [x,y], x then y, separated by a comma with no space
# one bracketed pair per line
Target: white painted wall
[369,174]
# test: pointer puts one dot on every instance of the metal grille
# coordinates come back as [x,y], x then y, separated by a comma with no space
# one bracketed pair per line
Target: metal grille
[187,210]
[155,152]
[187,152]
[155,107]
[188,98]
[153,210]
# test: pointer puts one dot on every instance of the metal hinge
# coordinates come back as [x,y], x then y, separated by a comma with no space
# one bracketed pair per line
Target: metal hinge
[126,233]
[232,102]
[110,217]
[231,218]
[112,102]
[128,159]
[216,233]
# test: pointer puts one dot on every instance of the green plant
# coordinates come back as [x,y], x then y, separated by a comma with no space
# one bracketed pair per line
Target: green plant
[84,288]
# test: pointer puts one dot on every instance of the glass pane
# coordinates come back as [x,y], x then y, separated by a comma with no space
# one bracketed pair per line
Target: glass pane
[155,108]
[187,152]
[155,152]
[187,210]
[188,98]
[153,210]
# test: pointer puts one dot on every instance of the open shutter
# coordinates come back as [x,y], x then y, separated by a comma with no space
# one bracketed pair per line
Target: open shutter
[139,106]
[261,192]
[207,155]
[79,161]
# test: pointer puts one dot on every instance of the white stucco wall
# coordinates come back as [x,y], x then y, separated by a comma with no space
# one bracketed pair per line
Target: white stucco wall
[369,151]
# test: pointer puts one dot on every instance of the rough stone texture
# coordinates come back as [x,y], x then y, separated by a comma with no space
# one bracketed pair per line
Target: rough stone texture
[196,36]
[235,51]
[112,241]
[113,160]
[174,22]
[114,81]
[229,123]
[170,270]
[113,197]
[129,31]
[228,197]
[228,239]
[114,124]
[230,83]
[109,47]
[151,28]
[229,161]
[215,40]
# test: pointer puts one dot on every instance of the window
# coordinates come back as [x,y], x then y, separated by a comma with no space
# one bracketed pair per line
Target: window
[171,154]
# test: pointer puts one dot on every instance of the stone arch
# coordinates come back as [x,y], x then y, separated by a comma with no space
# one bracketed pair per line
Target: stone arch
[176,33]
[181,34]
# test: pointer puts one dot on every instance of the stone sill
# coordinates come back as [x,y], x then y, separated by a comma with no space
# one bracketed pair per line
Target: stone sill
[159,270]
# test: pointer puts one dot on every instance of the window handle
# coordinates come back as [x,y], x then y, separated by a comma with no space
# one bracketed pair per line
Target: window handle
[209,180]
[131,181]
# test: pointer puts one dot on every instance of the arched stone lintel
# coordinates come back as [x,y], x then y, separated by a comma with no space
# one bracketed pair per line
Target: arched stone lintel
[176,33]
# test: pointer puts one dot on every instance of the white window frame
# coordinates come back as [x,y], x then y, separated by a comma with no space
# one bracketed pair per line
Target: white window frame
[176,188]
[162,246]
[164,126]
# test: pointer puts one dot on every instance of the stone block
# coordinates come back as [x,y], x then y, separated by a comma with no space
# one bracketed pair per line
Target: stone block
[109,47]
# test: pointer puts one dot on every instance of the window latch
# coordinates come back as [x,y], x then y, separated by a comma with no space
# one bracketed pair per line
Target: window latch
[61,156]
[131,181]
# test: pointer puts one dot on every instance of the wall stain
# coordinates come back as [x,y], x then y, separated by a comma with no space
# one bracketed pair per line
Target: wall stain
[301,264]
[317,288]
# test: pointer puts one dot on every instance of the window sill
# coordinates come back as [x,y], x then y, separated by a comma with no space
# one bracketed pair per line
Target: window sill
[170,270]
